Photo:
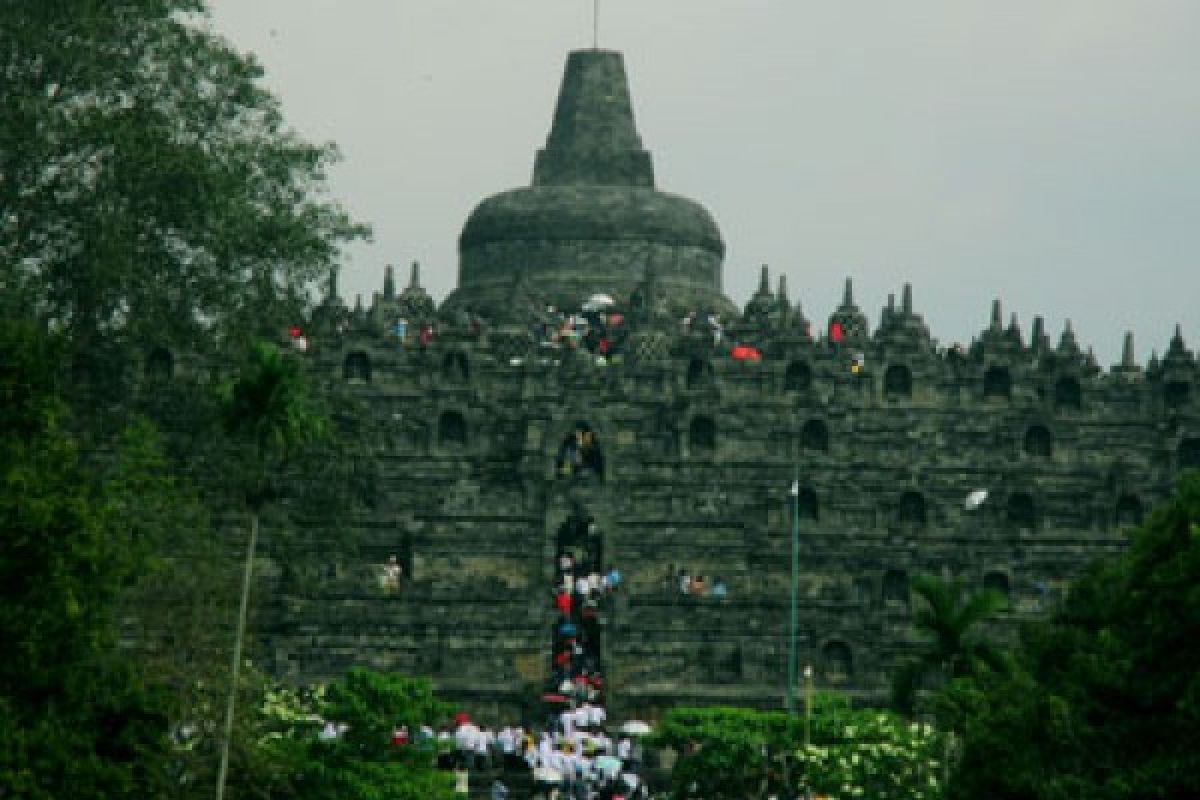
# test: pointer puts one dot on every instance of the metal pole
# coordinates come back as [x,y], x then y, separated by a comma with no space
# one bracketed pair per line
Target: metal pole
[595,24]
[791,667]
[808,693]
[227,729]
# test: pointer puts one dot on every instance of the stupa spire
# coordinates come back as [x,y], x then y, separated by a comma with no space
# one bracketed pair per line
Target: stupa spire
[389,283]
[848,293]
[593,140]
[906,304]
[414,276]
[332,293]
[1128,360]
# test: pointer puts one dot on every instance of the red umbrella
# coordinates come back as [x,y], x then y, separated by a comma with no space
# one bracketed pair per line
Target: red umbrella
[462,718]
[744,352]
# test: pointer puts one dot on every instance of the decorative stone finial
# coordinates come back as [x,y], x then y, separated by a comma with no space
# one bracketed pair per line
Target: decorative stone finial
[389,283]
[1066,342]
[593,140]
[848,294]
[764,281]
[1038,336]
[414,276]
[891,306]
[997,316]
[781,296]
[906,304]
[1127,358]
[331,293]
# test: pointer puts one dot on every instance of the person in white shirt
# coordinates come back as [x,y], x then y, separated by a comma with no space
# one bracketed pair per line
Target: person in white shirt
[624,748]
[583,716]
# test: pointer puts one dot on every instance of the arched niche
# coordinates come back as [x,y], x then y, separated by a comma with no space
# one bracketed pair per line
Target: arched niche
[837,661]
[455,367]
[897,382]
[160,364]
[451,429]
[1022,513]
[1038,442]
[996,581]
[1189,453]
[814,436]
[699,374]
[806,504]
[895,588]
[357,367]
[702,434]
[997,382]
[798,377]
[1176,394]
[910,512]
[1128,510]
[1068,395]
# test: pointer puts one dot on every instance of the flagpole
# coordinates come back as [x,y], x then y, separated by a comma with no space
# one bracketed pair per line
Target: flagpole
[595,24]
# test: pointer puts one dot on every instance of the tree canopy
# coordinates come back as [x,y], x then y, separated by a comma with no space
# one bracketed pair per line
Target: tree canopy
[1104,700]
[150,191]
[741,753]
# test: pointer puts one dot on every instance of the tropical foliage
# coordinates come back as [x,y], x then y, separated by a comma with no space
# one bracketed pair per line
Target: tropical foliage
[949,621]
[150,191]
[1104,701]
[741,753]
[361,763]
[75,715]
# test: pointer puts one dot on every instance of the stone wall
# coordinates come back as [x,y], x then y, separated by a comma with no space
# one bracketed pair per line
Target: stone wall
[700,452]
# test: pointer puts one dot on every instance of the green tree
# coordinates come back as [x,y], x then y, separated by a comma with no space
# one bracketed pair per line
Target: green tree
[76,718]
[150,191]
[949,621]
[361,763]
[737,753]
[1105,700]
[269,413]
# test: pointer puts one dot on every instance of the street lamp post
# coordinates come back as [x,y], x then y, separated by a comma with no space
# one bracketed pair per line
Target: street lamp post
[808,703]
[791,669]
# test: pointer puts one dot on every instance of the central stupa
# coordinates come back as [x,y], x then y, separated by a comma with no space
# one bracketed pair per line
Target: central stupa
[593,221]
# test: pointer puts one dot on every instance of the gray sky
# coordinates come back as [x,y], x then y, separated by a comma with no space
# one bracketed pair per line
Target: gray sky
[1044,153]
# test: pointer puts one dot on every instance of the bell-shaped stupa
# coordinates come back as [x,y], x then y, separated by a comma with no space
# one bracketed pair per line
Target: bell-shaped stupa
[592,222]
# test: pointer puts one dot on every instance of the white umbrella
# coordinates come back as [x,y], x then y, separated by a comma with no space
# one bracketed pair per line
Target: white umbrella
[635,727]
[597,302]
[547,775]
[975,499]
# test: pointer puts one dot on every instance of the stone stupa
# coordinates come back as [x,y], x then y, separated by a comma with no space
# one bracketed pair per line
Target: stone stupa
[593,221]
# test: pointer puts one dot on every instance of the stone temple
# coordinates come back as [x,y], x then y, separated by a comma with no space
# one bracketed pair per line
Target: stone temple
[884,432]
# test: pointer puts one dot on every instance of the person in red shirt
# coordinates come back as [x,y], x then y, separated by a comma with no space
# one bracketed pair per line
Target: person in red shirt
[562,601]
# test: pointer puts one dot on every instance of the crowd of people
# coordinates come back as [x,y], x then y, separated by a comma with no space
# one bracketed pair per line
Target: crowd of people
[683,582]
[596,328]
[573,754]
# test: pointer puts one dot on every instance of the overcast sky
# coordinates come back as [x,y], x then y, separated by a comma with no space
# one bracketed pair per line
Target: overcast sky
[1044,153]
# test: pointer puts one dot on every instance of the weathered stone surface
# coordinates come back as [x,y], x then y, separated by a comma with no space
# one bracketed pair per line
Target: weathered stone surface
[886,434]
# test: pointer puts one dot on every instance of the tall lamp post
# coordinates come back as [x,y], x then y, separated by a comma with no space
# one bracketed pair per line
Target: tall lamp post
[791,668]
[808,703]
